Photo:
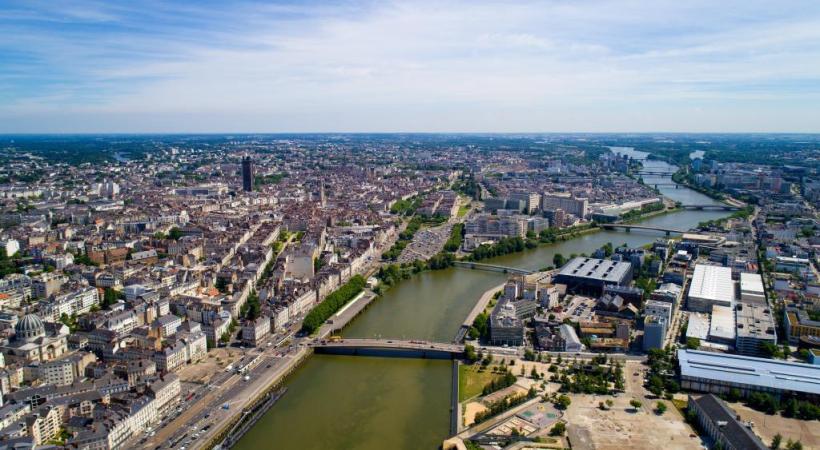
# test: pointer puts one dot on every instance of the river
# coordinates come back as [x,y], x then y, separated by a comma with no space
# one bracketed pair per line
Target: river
[368,403]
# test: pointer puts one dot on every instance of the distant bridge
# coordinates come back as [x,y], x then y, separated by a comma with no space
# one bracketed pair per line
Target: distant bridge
[629,227]
[714,207]
[390,347]
[492,268]
[673,185]
[651,172]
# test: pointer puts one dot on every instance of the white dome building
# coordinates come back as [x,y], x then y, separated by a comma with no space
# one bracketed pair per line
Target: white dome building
[35,340]
[29,328]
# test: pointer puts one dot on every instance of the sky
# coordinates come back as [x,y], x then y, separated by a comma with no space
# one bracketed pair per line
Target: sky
[416,66]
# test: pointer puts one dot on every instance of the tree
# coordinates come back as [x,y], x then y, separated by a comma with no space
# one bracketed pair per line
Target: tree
[635,403]
[563,402]
[175,233]
[660,408]
[558,429]
[692,343]
[221,285]
[470,354]
[797,445]
[770,350]
[776,441]
[609,403]
[656,385]
[558,260]
[110,297]
[529,355]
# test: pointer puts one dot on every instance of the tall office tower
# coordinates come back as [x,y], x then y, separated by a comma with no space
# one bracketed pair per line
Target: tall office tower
[247,174]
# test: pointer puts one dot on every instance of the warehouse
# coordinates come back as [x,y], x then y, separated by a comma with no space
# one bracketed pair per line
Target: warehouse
[590,275]
[719,372]
[751,289]
[711,285]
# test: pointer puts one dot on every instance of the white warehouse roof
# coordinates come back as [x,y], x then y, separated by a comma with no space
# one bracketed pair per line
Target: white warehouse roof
[751,283]
[712,283]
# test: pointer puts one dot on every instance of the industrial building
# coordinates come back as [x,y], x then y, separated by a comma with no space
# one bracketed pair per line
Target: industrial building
[723,327]
[719,372]
[755,326]
[720,423]
[711,285]
[591,275]
[751,288]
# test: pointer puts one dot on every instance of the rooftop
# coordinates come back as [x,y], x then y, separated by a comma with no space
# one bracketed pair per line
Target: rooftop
[597,269]
[712,283]
[760,372]
[755,321]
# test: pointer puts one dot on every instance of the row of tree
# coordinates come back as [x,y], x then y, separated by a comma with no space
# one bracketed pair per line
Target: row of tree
[791,407]
[496,384]
[499,406]
[456,237]
[332,303]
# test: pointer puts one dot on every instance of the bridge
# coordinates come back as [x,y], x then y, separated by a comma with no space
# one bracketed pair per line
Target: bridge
[390,347]
[629,227]
[714,207]
[651,172]
[672,185]
[492,268]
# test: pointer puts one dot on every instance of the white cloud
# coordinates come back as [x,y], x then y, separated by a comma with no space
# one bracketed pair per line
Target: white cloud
[435,66]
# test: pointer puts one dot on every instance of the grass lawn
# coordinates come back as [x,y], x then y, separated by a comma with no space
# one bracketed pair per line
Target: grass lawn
[471,382]
[462,210]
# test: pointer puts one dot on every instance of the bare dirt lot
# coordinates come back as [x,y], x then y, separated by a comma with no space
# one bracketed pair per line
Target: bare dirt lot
[623,427]
[767,426]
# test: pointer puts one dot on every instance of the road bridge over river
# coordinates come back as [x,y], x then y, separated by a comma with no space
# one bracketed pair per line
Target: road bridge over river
[628,227]
[390,347]
[492,268]
[713,207]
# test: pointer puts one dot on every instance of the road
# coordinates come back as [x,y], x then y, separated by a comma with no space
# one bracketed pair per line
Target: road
[204,410]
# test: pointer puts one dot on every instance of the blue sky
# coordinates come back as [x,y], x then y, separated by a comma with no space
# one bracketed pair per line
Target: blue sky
[560,65]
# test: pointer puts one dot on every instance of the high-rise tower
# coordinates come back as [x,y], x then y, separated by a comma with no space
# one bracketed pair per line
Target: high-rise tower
[247,174]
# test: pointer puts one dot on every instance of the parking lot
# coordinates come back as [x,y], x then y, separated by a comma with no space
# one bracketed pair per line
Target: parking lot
[579,309]
[426,243]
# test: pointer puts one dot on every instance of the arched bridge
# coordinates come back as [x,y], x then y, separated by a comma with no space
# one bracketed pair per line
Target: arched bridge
[492,267]
[628,227]
[390,347]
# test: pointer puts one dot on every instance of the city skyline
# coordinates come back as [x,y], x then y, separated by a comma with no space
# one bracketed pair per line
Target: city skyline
[88,67]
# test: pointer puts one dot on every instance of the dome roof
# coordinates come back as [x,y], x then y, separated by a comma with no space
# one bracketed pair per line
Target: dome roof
[29,327]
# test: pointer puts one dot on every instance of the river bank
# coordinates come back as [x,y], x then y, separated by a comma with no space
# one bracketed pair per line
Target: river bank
[372,403]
